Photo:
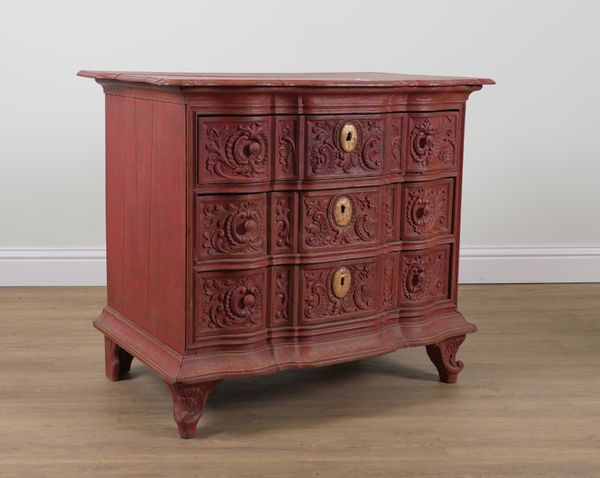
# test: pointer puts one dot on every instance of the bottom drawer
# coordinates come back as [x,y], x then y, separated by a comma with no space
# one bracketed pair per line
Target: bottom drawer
[242,302]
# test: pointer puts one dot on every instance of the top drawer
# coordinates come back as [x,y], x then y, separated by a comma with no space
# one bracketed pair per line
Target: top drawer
[251,149]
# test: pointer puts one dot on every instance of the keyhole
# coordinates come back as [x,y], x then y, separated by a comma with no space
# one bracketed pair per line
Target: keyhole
[342,280]
[343,208]
[349,136]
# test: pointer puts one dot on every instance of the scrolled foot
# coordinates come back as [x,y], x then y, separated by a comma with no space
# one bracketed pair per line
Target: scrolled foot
[443,356]
[188,405]
[117,361]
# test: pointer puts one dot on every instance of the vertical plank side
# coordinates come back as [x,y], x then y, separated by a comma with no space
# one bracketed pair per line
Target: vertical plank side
[167,227]
[119,126]
[137,171]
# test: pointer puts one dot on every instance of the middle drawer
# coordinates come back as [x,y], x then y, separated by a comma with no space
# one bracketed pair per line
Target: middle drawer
[247,226]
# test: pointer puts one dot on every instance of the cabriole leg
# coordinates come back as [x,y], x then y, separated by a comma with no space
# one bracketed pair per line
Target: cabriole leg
[117,361]
[188,405]
[443,356]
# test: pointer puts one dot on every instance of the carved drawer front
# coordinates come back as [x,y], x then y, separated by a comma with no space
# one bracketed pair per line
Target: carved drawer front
[339,290]
[342,218]
[427,209]
[231,226]
[234,149]
[433,141]
[344,146]
[424,276]
[230,302]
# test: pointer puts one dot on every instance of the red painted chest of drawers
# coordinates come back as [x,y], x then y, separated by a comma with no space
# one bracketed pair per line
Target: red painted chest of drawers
[263,222]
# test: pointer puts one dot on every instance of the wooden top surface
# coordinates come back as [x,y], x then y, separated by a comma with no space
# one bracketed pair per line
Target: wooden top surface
[368,79]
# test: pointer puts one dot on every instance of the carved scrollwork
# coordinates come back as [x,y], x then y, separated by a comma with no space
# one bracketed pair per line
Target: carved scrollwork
[282,222]
[232,302]
[397,141]
[425,276]
[232,227]
[286,147]
[319,301]
[389,213]
[235,150]
[322,230]
[388,282]
[443,356]
[427,209]
[281,295]
[433,142]
[327,157]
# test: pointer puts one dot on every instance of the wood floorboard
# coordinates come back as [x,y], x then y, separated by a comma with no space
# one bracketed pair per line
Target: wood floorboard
[527,403]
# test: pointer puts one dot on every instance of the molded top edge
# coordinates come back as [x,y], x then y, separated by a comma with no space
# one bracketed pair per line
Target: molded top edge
[364,79]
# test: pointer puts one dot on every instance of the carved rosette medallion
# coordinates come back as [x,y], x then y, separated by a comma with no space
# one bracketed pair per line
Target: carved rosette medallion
[425,276]
[326,156]
[427,209]
[432,142]
[233,150]
[231,301]
[321,230]
[319,301]
[231,226]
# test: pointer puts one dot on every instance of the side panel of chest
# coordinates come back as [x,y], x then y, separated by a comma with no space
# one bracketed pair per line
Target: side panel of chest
[145,213]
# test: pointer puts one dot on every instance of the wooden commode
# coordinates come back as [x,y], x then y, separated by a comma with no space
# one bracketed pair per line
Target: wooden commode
[260,222]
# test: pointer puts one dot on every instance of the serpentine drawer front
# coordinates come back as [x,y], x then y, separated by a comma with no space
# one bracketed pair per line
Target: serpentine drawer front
[262,222]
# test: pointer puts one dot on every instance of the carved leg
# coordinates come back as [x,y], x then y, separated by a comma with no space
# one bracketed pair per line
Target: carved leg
[443,356]
[116,360]
[188,405]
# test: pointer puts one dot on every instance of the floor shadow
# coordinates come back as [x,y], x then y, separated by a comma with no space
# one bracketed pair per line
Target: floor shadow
[301,397]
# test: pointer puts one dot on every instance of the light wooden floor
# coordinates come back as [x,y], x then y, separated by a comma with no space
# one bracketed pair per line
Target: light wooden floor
[527,403]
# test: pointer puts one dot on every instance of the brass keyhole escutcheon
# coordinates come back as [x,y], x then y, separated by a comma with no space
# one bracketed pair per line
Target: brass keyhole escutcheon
[342,281]
[342,211]
[348,137]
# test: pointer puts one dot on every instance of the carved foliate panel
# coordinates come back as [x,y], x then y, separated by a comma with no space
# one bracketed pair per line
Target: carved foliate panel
[227,302]
[286,147]
[390,298]
[282,298]
[321,226]
[326,155]
[234,149]
[396,132]
[282,222]
[425,275]
[427,209]
[229,226]
[319,302]
[389,213]
[433,142]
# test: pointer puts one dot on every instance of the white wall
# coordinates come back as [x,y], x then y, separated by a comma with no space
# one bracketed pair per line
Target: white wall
[532,153]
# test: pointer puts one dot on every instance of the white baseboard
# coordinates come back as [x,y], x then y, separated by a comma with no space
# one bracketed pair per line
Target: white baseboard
[478,265]
[52,267]
[529,264]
